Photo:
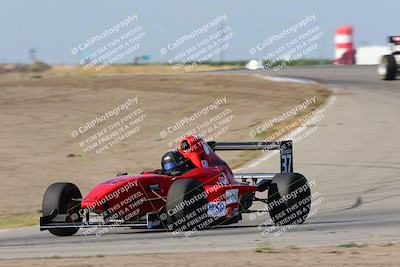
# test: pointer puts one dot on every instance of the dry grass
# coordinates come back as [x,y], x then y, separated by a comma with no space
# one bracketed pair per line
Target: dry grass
[61,70]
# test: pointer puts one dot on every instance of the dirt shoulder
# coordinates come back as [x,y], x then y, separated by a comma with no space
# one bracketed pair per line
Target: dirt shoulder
[39,115]
[350,255]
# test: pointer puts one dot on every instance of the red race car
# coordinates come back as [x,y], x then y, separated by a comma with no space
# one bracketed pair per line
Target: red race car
[193,190]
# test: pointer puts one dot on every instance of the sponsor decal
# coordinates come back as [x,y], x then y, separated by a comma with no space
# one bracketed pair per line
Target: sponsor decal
[223,179]
[235,212]
[204,163]
[153,224]
[154,187]
[216,209]
[153,221]
[232,196]
[206,148]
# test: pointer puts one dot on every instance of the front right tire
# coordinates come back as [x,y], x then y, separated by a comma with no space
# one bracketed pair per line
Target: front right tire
[289,199]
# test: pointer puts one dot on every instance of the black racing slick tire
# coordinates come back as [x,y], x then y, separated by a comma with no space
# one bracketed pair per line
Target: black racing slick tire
[186,205]
[289,199]
[63,197]
[387,68]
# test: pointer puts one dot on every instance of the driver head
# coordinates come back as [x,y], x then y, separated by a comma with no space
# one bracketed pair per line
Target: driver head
[172,160]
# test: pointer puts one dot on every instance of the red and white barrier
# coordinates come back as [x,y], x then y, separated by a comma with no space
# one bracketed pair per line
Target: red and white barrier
[344,51]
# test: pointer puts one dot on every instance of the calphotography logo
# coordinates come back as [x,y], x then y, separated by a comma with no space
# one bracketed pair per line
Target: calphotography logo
[291,113]
[111,128]
[111,45]
[200,45]
[98,120]
[194,116]
[287,47]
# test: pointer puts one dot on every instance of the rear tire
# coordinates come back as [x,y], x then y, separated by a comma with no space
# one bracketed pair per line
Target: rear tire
[186,201]
[387,68]
[289,199]
[60,196]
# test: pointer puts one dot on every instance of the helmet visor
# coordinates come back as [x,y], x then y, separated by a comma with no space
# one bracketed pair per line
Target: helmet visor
[169,166]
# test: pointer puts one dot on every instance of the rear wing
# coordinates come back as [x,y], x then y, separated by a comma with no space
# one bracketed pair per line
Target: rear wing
[285,148]
[394,41]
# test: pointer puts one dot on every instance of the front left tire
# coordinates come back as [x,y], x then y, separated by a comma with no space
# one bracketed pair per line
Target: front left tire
[63,197]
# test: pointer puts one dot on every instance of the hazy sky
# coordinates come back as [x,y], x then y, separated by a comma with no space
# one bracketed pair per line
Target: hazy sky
[55,27]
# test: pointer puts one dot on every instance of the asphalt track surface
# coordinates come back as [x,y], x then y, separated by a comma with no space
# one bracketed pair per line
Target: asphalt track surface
[353,155]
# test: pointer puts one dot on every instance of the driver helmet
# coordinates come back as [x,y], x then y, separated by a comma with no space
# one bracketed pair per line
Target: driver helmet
[172,160]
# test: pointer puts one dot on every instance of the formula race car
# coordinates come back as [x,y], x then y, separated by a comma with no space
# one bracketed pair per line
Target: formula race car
[194,189]
[389,65]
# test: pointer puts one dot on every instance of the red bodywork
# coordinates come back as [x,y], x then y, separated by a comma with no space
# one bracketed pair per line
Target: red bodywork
[132,197]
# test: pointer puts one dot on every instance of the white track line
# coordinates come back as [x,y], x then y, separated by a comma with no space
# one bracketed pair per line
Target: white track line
[287,79]
[296,132]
